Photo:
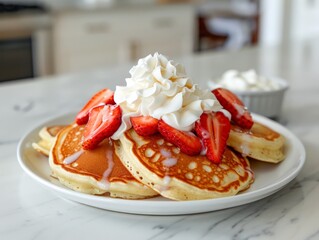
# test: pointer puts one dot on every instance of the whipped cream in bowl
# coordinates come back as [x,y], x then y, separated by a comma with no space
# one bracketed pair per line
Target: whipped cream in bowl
[159,87]
[248,81]
[261,94]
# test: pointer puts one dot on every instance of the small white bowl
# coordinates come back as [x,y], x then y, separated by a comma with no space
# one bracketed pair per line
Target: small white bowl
[267,103]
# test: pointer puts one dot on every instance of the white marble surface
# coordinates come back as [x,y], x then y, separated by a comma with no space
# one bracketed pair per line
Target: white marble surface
[28,211]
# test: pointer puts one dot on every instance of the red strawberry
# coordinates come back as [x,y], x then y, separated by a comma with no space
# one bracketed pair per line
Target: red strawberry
[103,121]
[186,141]
[104,96]
[213,129]
[239,113]
[145,125]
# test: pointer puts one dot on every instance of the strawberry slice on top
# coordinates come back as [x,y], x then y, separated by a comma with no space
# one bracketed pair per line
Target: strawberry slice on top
[187,142]
[104,96]
[239,113]
[145,125]
[213,129]
[103,122]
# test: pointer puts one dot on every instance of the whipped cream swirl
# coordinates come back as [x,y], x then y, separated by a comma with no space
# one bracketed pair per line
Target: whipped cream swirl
[159,87]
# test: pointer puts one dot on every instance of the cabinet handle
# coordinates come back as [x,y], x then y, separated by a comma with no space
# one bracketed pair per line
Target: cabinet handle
[97,28]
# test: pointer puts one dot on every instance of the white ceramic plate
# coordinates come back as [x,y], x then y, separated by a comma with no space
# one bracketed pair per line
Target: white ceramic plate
[269,178]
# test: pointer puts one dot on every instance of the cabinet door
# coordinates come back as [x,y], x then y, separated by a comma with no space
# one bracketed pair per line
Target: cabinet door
[87,41]
[169,31]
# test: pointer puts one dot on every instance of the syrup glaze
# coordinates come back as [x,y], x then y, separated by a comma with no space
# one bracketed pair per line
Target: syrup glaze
[101,163]
[258,130]
[194,170]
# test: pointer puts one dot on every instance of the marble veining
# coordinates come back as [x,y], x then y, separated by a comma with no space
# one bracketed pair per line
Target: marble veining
[28,211]
[24,106]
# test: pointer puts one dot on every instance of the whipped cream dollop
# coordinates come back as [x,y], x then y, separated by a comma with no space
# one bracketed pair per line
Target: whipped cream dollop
[160,88]
[245,81]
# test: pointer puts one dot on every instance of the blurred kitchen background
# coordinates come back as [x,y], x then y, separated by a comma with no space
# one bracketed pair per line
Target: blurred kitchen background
[43,37]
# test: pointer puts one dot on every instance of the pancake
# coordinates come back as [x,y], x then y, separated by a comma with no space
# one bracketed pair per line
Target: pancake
[178,176]
[260,143]
[47,135]
[97,171]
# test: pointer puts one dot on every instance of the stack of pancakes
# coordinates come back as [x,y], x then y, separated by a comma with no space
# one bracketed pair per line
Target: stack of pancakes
[97,171]
[137,167]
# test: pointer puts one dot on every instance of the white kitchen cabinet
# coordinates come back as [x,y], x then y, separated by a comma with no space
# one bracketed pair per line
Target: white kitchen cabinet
[85,40]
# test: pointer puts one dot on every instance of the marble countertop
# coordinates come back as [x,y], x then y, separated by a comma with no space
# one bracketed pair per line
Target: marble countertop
[29,211]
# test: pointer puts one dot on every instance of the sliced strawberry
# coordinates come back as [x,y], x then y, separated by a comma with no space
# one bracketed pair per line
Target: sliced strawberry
[186,141]
[104,96]
[145,125]
[239,113]
[213,129]
[104,120]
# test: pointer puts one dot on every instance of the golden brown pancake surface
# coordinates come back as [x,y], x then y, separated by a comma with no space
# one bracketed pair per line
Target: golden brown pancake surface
[195,170]
[95,171]
[258,130]
[47,137]
[54,130]
[260,143]
[92,162]
[179,176]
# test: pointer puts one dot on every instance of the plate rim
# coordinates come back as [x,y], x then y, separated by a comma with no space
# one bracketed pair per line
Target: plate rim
[199,206]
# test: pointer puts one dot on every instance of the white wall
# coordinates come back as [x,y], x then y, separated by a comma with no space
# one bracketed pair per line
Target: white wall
[288,20]
[271,21]
[302,21]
